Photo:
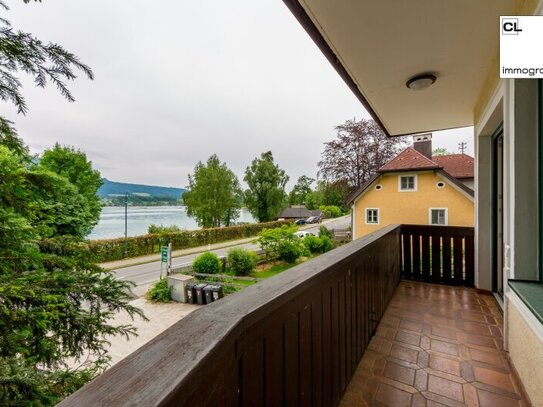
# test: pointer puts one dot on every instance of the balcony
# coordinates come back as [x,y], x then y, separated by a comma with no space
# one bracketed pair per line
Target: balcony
[340,329]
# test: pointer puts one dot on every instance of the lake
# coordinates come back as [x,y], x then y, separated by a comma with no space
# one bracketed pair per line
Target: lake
[111,223]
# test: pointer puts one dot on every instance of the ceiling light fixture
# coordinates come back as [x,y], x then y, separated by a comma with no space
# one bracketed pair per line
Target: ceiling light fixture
[420,82]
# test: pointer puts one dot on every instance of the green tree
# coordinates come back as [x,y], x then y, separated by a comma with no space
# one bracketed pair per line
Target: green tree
[440,151]
[56,303]
[73,165]
[266,195]
[330,211]
[328,194]
[213,195]
[300,190]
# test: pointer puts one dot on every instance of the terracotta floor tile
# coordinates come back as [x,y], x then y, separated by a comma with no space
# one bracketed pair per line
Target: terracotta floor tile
[435,346]
[490,358]
[444,365]
[390,396]
[409,338]
[411,326]
[488,399]
[444,347]
[418,400]
[494,378]
[446,388]
[479,340]
[470,395]
[448,333]
[473,316]
[403,353]
[399,373]
[475,328]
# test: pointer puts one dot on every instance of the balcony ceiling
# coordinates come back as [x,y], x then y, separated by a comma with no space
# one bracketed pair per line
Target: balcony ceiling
[383,43]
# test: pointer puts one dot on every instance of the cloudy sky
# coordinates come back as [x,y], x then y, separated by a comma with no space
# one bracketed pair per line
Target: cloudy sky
[177,81]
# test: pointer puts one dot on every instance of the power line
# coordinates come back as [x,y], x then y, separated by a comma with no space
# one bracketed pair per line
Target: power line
[462,146]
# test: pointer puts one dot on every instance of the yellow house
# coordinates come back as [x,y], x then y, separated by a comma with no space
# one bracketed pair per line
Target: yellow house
[414,188]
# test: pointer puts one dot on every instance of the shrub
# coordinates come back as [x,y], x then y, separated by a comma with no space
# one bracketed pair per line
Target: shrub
[320,244]
[207,262]
[324,231]
[160,292]
[291,250]
[313,243]
[327,244]
[241,262]
[281,243]
[114,249]
[330,211]
[156,229]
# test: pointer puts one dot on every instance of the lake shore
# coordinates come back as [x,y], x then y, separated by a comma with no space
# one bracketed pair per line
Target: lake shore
[112,220]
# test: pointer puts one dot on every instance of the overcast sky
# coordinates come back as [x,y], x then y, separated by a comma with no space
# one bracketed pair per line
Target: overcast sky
[177,81]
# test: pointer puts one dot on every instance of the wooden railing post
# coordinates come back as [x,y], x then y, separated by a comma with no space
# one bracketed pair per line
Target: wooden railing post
[438,254]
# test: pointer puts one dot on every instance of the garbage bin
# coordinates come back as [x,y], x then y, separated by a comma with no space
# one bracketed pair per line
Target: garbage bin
[177,283]
[217,292]
[190,293]
[208,294]
[200,296]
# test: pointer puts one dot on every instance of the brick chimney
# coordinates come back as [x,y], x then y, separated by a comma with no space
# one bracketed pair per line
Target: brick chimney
[423,144]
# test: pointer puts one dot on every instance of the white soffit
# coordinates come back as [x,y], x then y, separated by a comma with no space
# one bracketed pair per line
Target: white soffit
[383,43]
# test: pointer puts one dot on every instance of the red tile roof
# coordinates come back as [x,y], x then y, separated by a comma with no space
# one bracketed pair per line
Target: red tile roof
[409,159]
[458,165]
[453,167]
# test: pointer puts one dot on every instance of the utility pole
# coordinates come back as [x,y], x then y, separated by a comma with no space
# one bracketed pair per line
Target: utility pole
[462,146]
[126,224]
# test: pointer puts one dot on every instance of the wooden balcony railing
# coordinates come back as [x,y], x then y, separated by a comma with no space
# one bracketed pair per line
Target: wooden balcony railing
[294,339]
[438,254]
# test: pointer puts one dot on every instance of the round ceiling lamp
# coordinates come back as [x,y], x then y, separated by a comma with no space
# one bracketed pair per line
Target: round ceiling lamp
[420,82]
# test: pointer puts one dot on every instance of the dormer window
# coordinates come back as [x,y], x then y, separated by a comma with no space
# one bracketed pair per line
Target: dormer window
[407,183]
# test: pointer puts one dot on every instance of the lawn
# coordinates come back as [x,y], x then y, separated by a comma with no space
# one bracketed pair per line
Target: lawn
[272,270]
[232,284]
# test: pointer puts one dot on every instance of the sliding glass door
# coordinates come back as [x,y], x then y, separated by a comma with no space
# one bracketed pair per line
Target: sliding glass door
[497,211]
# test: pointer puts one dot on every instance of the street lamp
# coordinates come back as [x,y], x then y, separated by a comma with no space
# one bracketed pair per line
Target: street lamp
[125,224]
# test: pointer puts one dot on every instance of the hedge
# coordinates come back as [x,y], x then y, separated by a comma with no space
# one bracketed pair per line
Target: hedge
[114,249]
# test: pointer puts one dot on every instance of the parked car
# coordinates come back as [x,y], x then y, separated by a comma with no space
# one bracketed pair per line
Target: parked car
[313,219]
[303,233]
[300,222]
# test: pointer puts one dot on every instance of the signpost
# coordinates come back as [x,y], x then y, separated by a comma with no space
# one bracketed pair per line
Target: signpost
[166,257]
[169,269]
[163,257]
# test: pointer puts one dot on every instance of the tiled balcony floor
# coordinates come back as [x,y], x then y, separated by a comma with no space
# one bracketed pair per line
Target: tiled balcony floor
[436,346]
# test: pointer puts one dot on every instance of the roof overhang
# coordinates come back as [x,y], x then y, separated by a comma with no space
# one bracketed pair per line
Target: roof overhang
[378,45]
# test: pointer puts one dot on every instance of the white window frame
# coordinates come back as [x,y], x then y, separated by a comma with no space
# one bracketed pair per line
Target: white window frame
[378,216]
[438,209]
[400,182]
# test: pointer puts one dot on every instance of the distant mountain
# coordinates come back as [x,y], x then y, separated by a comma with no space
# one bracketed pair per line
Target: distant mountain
[111,189]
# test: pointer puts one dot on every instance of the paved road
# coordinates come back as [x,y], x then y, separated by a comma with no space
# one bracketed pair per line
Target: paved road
[143,275]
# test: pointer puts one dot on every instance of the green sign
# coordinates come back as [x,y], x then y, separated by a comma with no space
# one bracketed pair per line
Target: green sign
[164,251]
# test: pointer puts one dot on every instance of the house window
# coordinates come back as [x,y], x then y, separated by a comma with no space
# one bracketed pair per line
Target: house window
[372,216]
[408,182]
[438,216]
